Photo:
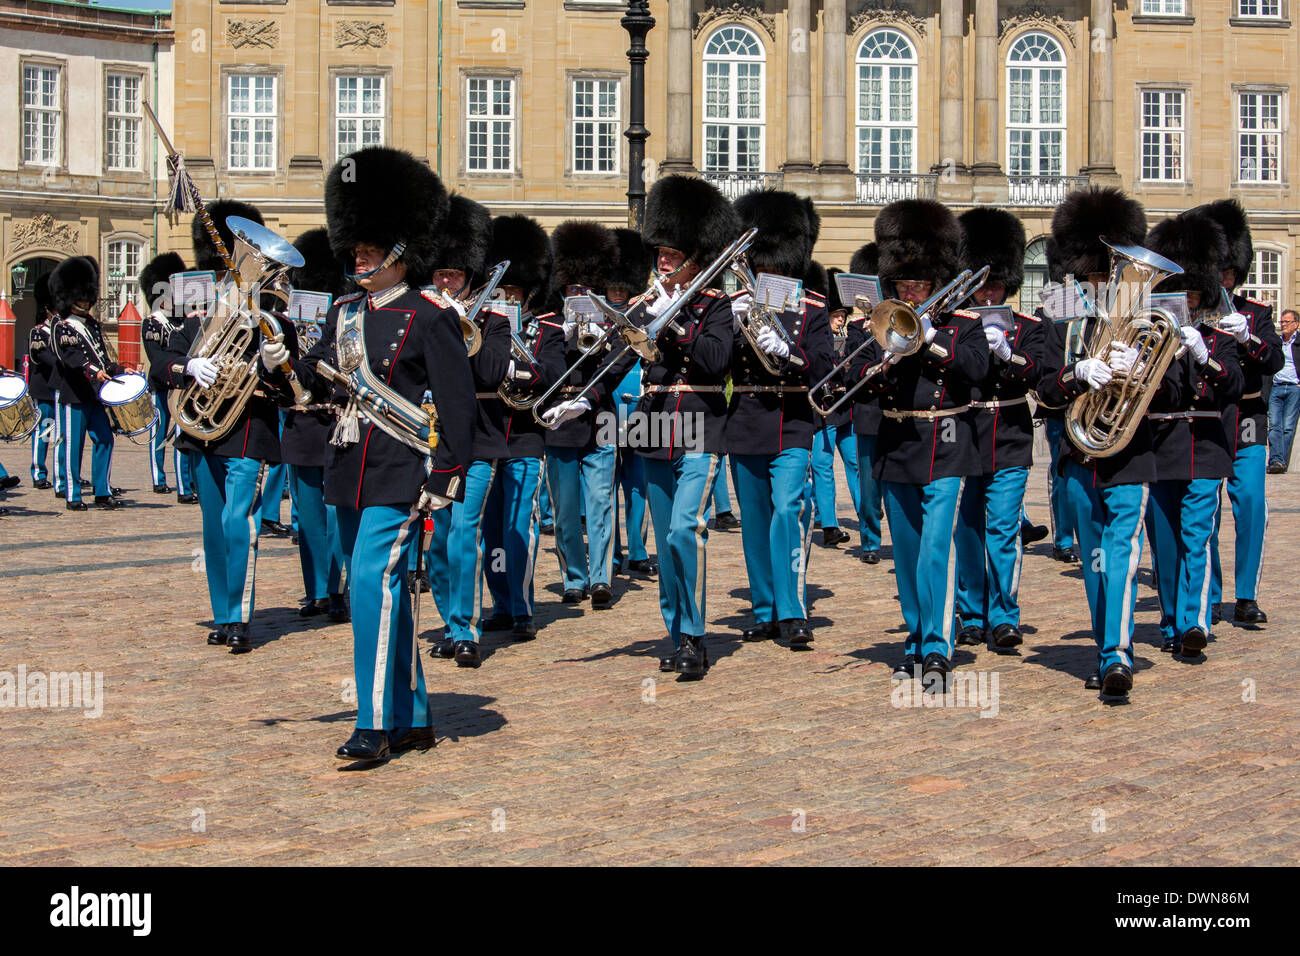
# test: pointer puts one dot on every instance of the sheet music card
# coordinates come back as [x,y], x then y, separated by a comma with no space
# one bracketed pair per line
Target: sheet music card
[193,292]
[580,309]
[309,306]
[852,286]
[1175,303]
[777,292]
[995,316]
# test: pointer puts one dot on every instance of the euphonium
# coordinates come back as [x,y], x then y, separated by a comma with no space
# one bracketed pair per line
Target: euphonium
[759,316]
[1101,422]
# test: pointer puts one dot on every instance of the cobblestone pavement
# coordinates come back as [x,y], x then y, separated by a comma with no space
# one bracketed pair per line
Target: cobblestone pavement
[574,749]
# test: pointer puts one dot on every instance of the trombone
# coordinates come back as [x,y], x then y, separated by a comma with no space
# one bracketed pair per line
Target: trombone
[469,329]
[896,327]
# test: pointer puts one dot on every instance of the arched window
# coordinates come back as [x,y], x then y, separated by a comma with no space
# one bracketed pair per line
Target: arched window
[886,121]
[1035,275]
[123,263]
[733,101]
[1035,107]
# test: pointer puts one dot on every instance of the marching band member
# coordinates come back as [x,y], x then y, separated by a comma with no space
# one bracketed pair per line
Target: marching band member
[304,438]
[989,545]
[510,528]
[227,471]
[41,376]
[927,445]
[1053,431]
[836,433]
[866,421]
[579,469]
[681,417]
[1259,351]
[384,210]
[769,421]
[156,330]
[1106,497]
[456,557]
[83,367]
[1190,441]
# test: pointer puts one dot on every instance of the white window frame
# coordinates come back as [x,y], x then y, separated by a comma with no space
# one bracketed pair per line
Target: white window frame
[359,117]
[1038,68]
[491,124]
[38,109]
[596,125]
[1262,134]
[117,255]
[728,67]
[130,123]
[1035,266]
[1162,8]
[257,121]
[906,67]
[1259,13]
[1170,141]
[1267,291]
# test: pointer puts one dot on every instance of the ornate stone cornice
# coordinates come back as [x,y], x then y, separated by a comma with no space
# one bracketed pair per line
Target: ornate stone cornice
[257,33]
[360,35]
[44,233]
[1035,15]
[739,9]
[887,11]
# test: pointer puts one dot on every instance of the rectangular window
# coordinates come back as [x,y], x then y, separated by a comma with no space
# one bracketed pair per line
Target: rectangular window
[595,126]
[125,259]
[1265,280]
[122,120]
[1163,8]
[886,119]
[42,115]
[251,115]
[1162,135]
[359,112]
[490,125]
[1259,137]
[1259,9]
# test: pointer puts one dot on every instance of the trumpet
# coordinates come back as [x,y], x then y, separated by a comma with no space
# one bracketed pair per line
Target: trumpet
[896,328]
[761,316]
[510,391]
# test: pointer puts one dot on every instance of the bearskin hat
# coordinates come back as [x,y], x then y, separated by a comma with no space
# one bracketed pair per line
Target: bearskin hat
[833,303]
[205,253]
[322,271]
[1194,240]
[74,280]
[635,260]
[585,254]
[525,243]
[44,301]
[384,196]
[1231,217]
[1085,217]
[465,238]
[1053,254]
[787,230]
[155,280]
[918,239]
[866,261]
[816,279]
[996,238]
[689,214]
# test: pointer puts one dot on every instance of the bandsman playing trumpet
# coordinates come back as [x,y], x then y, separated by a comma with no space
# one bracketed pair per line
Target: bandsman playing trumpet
[836,432]
[866,417]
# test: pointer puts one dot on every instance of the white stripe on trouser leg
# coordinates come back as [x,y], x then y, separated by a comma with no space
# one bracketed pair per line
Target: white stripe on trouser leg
[1134,558]
[534,535]
[950,592]
[1259,568]
[805,543]
[608,563]
[250,559]
[477,610]
[68,477]
[1051,509]
[559,538]
[701,527]
[159,475]
[1207,577]
[1020,553]
[387,622]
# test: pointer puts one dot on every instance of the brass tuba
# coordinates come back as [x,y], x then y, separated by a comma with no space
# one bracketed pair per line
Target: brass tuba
[1101,422]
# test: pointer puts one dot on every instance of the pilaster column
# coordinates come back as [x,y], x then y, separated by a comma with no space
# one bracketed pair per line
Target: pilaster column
[834,86]
[1101,91]
[798,89]
[986,89]
[681,71]
[951,133]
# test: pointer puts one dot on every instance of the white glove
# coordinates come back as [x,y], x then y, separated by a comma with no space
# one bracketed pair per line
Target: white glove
[662,300]
[998,343]
[739,306]
[570,329]
[1193,342]
[1236,325]
[202,370]
[928,328]
[1121,357]
[1093,371]
[431,502]
[565,411]
[772,344]
[454,304]
[274,354]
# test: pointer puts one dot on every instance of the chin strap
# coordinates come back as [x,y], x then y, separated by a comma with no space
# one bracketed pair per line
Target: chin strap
[388,261]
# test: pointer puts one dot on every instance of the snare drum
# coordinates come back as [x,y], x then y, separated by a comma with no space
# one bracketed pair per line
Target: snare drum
[129,405]
[18,414]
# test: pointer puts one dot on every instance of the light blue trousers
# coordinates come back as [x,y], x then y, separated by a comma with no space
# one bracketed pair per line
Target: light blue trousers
[229,499]
[510,533]
[457,557]
[1250,518]
[989,550]
[583,483]
[680,493]
[922,522]
[771,490]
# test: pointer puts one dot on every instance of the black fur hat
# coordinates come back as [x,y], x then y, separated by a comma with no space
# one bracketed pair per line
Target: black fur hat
[1088,215]
[384,196]
[1053,253]
[1231,217]
[787,230]
[74,280]
[816,278]
[44,301]
[833,302]
[155,280]
[322,271]
[465,238]
[205,253]
[585,254]
[689,214]
[525,243]
[635,260]
[918,239]
[1194,240]
[866,261]
[996,238]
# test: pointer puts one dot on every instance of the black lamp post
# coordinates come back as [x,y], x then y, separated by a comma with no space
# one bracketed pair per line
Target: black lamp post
[637,22]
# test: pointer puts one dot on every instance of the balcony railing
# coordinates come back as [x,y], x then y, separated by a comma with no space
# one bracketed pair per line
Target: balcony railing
[1041,190]
[880,189]
[733,185]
